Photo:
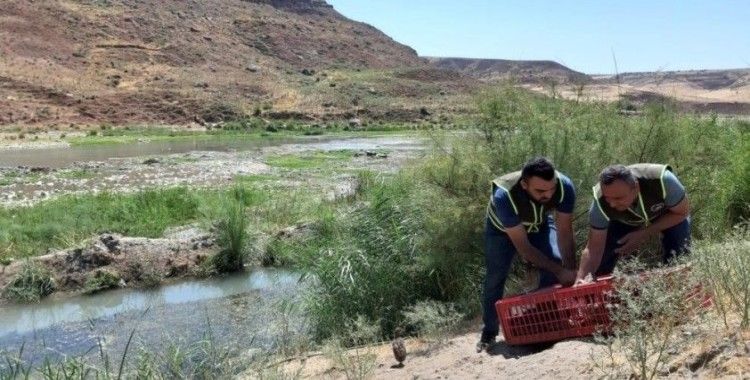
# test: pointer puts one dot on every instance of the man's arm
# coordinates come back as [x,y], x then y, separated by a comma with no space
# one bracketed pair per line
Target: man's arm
[674,216]
[591,257]
[529,253]
[565,239]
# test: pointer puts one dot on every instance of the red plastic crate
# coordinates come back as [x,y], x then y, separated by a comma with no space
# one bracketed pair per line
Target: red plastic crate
[556,313]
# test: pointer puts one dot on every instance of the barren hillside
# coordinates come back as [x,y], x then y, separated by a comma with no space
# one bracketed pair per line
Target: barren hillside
[504,69]
[172,61]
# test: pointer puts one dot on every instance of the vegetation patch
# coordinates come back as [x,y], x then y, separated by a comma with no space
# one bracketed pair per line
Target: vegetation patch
[315,160]
[33,283]
[233,235]
[101,279]
[65,221]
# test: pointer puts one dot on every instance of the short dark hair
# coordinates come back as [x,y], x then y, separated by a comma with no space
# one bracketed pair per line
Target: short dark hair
[613,173]
[538,167]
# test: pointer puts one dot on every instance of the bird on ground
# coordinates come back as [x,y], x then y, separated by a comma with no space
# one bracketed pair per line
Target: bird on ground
[399,348]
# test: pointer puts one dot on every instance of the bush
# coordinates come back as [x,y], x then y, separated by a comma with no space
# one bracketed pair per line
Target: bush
[369,265]
[724,268]
[647,315]
[233,237]
[33,283]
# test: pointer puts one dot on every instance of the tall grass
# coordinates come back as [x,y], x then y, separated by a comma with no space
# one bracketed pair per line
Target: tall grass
[724,267]
[233,236]
[31,284]
[65,221]
[204,359]
[369,266]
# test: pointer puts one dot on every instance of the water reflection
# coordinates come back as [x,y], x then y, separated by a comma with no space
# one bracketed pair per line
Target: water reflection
[20,319]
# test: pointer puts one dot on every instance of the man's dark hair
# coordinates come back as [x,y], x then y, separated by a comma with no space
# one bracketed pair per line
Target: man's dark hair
[538,167]
[613,173]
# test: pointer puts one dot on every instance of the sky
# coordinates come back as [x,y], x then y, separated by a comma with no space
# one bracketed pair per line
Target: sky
[586,35]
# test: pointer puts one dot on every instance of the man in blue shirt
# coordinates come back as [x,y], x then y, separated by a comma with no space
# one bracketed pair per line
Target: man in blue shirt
[519,221]
[630,204]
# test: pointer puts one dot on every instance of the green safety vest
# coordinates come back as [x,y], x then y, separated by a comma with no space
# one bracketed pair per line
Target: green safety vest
[650,203]
[531,213]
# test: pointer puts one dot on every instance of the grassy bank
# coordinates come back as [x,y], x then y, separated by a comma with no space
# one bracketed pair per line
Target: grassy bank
[68,220]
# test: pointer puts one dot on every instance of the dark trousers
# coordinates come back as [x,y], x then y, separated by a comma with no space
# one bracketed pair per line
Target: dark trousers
[498,256]
[675,241]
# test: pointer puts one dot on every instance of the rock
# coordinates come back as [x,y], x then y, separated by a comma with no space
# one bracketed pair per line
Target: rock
[111,242]
[308,72]
[80,260]
[39,169]
[252,68]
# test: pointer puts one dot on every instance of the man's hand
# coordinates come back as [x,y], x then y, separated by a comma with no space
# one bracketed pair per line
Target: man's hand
[585,280]
[630,242]
[566,276]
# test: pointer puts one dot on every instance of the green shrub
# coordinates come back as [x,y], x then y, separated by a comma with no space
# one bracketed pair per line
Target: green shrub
[31,284]
[233,237]
[647,316]
[724,268]
[369,266]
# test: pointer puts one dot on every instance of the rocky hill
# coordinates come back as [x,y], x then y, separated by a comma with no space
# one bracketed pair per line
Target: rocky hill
[179,61]
[171,60]
[504,69]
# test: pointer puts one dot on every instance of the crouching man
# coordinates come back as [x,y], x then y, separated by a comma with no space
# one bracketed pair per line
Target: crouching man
[632,203]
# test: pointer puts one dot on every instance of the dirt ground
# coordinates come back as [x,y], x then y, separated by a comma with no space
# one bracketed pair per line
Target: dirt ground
[707,352]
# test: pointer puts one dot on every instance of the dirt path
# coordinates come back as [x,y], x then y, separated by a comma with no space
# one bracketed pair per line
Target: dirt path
[458,359]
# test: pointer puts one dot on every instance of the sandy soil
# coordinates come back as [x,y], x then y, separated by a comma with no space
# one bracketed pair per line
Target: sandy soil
[707,351]
[458,359]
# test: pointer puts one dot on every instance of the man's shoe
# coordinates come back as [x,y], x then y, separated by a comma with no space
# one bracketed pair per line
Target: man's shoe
[485,344]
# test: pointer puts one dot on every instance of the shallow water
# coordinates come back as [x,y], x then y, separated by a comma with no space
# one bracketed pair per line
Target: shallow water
[240,311]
